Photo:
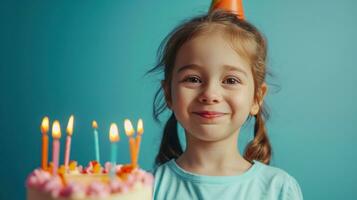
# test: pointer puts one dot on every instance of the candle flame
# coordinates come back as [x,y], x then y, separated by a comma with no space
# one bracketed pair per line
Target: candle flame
[140,127]
[70,126]
[56,130]
[94,124]
[45,125]
[114,133]
[129,130]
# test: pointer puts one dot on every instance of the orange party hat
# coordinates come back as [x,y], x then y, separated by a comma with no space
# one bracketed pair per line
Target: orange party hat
[234,6]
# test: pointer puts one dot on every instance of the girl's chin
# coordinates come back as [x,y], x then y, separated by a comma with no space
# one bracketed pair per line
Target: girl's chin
[210,134]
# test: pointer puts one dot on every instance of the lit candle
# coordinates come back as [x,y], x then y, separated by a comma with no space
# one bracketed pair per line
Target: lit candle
[69,131]
[114,138]
[44,129]
[129,131]
[56,134]
[140,131]
[96,141]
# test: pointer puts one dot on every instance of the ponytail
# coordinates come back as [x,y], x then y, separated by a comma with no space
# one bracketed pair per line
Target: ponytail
[260,148]
[170,146]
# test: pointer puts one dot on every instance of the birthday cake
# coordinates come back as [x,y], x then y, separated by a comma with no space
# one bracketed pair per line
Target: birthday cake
[91,182]
[74,182]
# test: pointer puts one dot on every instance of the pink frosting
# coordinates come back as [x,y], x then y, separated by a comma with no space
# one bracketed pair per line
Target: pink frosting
[118,186]
[97,189]
[53,186]
[37,178]
[70,189]
[144,177]
[44,181]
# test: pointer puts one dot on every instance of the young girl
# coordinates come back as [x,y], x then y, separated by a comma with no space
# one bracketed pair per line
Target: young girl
[214,81]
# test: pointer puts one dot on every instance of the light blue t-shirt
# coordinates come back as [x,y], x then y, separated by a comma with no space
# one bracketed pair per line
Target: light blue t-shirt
[260,181]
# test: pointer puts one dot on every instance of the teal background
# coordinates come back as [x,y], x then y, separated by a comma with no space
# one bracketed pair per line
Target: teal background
[88,58]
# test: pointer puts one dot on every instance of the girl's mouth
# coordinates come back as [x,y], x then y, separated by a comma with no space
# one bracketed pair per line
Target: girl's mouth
[209,114]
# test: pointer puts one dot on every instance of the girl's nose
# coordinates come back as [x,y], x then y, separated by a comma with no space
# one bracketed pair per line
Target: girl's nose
[210,95]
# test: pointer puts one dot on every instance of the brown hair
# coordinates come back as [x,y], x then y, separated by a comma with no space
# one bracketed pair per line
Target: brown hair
[245,39]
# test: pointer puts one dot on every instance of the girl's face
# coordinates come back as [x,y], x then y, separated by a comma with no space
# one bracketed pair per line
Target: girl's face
[212,88]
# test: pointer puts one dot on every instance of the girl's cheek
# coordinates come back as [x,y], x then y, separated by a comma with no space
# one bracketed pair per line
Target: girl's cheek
[183,97]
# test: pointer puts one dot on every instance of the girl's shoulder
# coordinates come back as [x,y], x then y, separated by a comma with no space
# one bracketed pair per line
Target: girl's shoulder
[269,171]
[163,169]
[278,177]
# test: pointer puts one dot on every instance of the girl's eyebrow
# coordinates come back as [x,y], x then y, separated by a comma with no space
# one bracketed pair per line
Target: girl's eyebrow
[235,68]
[187,67]
[225,68]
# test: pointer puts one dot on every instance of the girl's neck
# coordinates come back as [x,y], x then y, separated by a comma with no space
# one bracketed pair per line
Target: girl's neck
[218,158]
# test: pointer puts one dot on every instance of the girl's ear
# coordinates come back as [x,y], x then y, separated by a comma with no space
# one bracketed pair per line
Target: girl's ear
[166,88]
[262,92]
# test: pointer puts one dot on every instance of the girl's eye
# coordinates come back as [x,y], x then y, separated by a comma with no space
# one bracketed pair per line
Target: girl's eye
[192,79]
[231,81]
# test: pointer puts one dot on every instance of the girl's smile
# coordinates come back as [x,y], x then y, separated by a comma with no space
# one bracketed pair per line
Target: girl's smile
[209,114]
[205,116]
